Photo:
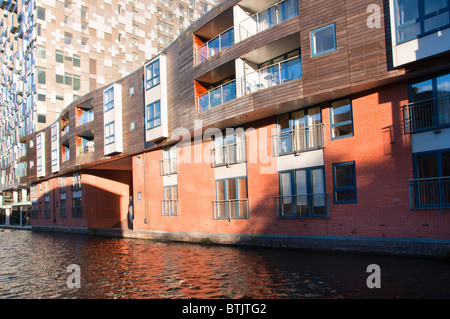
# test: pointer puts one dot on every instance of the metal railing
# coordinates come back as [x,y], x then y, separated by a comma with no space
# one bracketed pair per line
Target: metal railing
[229,154]
[170,207]
[215,45]
[221,94]
[168,166]
[427,114]
[267,18]
[430,193]
[299,140]
[303,206]
[278,73]
[232,209]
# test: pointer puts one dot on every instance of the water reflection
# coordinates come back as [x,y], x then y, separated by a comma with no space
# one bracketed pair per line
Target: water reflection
[33,265]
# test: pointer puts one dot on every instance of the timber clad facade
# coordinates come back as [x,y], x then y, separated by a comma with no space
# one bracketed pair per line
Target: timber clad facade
[265,118]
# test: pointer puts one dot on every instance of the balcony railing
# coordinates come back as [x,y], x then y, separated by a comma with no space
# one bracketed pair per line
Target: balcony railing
[430,193]
[299,140]
[215,45]
[168,166]
[303,206]
[427,115]
[232,209]
[170,207]
[267,18]
[217,96]
[284,71]
[229,154]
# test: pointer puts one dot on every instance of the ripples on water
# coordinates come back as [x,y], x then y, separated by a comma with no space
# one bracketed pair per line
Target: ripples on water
[33,265]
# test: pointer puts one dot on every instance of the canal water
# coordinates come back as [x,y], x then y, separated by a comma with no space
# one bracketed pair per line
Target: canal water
[35,265]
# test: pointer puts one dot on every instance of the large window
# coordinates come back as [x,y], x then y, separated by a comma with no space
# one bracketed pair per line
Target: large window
[170,204]
[109,99]
[299,131]
[153,115]
[152,74]
[344,183]
[109,133]
[431,186]
[302,194]
[77,208]
[229,148]
[323,40]
[341,119]
[415,18]
[231,199]
[430,105]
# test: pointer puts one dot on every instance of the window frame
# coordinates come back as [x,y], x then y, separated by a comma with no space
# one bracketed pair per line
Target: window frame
[333,125]
[110,139]
[226,199]
[154,79]
[171,199]
[110,94]
[344,188]
[313,41]
[420,20]
[153,118]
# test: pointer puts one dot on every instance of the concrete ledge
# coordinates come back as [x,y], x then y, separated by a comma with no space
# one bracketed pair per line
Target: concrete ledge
[382,245]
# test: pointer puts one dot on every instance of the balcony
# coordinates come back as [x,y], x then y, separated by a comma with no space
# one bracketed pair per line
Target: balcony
[232,209]
[229,154]
[168,166]
[215,45]
[170,207]
[299,140]
[218,95]
[267,18]
[430,193]
[303,206]
[85,117]
[427,115]
[278,73]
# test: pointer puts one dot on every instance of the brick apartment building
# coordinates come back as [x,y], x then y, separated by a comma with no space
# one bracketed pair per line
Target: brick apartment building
[297,123]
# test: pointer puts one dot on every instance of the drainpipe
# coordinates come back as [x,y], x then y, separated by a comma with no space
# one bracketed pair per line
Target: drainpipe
[145,193]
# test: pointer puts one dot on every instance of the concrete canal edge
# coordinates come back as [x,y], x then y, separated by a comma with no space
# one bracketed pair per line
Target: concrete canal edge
[371,245]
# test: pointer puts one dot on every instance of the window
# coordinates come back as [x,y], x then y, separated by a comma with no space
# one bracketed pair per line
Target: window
[231,199]
[132,126]
[67,38]
[76,61]
[109,133]
[430,105]
[132,90]
[431,186]
[68,79]
[302,194]
[152,74]
[40,13]
[416,18]
[41,76]
[39,164]
[153,115]
[76,83]
[170,205]
[59,79]
[344,183]
[54,157]
[62,209]
[109,99]
[40,51]
[229,148]
[38,141]
[59,56]
[54,131]
[323,40]
[299,131]
[341,119]
[77,209]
